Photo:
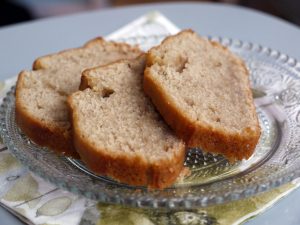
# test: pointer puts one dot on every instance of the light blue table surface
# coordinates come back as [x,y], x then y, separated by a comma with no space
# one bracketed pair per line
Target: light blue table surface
[21,44]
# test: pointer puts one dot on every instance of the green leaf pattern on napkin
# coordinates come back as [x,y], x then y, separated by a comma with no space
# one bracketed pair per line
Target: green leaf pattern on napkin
[224,214]
[229,213]
[25,189]
[54,206]
[119,215]
[8,162]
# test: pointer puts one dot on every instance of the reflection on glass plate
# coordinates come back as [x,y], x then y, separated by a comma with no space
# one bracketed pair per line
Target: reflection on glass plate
[275,79]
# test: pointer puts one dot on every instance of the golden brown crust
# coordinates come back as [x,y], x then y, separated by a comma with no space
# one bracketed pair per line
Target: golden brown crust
[84,83]
[50,136]
[133,170]
[38,63]
[232,146]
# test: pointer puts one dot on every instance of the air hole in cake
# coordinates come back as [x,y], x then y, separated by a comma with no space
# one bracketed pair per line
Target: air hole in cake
[189,101]
[181,64]
[106,92]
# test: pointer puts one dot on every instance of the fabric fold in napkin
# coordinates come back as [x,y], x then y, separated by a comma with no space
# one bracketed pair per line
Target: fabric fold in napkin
[35,201]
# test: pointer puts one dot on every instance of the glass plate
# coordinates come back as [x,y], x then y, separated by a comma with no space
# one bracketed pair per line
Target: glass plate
[276,83]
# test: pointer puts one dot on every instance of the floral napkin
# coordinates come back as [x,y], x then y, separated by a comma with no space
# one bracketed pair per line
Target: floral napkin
[35,201]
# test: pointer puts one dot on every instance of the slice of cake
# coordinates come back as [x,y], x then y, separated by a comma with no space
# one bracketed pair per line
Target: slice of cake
[117,131]
[202,91]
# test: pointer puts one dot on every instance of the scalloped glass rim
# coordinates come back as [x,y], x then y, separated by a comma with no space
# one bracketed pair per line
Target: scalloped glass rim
[276,75]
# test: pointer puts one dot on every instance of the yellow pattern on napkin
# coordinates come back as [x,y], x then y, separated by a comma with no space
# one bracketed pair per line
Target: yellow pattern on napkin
[235,212]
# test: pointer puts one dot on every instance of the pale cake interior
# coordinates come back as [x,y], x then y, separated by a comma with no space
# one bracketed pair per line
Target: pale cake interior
[206,82]
[115,116]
